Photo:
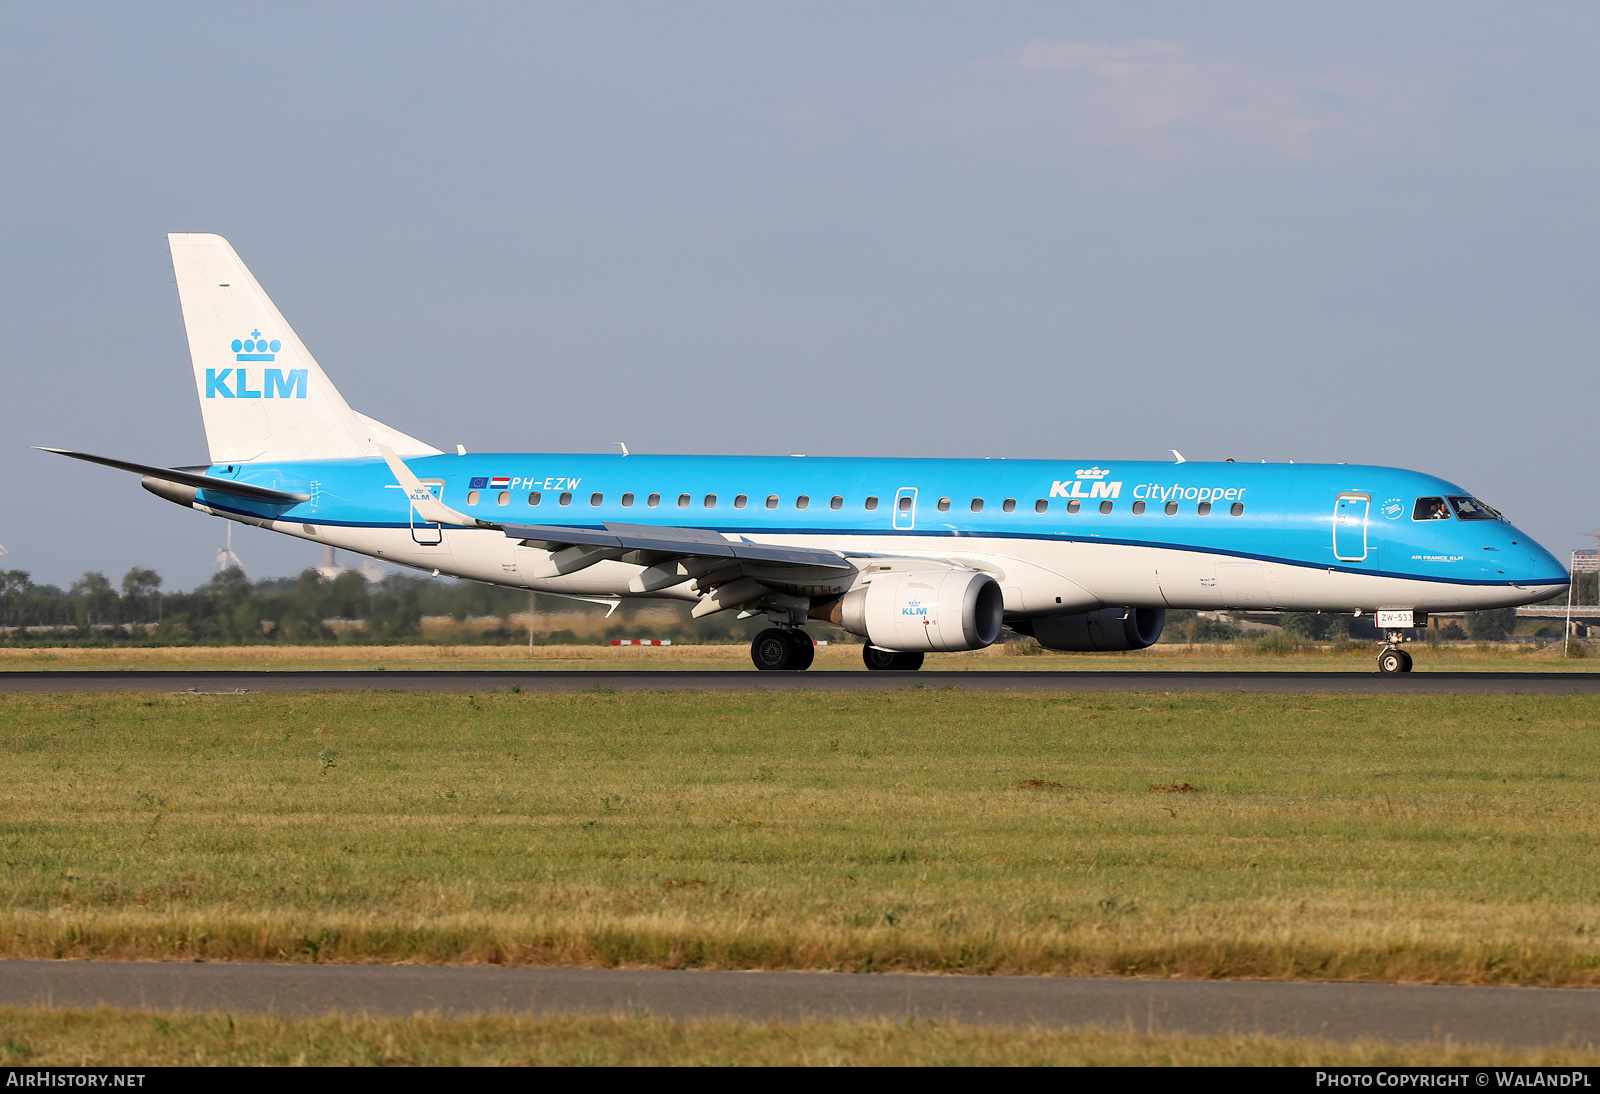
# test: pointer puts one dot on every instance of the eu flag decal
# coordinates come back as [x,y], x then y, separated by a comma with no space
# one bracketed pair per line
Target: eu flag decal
[477,484]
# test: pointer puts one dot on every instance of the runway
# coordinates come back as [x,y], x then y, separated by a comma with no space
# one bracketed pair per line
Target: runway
[1349,683]
[1390,1012]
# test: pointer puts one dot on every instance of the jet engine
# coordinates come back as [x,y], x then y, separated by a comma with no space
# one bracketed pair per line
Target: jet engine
[924,610]
[1097,632]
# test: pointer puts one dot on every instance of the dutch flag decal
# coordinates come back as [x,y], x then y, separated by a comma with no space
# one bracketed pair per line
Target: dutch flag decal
[503,482]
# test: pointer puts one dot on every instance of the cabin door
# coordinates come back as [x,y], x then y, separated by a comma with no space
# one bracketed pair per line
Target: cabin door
[1350,527]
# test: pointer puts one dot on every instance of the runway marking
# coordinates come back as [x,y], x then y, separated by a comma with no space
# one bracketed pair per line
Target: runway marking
[1389,1012]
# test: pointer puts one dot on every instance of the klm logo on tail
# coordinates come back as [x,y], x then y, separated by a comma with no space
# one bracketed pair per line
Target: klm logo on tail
[275,383]
[256,348]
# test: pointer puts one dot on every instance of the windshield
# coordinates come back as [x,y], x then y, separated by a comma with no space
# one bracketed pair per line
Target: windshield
[1473,509]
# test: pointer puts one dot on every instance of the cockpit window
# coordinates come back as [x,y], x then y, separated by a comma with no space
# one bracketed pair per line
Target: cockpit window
[1430,509]
[1472,509]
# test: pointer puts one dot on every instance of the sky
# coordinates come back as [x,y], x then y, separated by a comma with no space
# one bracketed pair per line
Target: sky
[1358,232]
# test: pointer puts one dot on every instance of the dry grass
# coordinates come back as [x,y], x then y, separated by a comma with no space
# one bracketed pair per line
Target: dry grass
[1507,657]
[130,1039]
[1334,837]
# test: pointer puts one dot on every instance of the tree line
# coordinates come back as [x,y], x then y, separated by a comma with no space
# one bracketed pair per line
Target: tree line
[230,609]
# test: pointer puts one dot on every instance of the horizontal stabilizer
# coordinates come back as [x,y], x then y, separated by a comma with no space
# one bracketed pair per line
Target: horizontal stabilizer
[701,542]
[190,478]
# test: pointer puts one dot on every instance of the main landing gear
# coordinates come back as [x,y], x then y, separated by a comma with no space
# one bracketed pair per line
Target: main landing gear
[783,648]
[889,659]
[1393,658]
[780,648]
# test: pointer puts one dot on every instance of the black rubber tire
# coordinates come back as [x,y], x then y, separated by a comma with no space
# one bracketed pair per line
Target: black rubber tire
[1392,661]
[805,650]
[773,650]
[1405,661]
[878,660]
[874,658]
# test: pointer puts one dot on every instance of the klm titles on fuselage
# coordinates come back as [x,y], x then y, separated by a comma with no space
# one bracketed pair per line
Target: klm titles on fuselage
[1098,488]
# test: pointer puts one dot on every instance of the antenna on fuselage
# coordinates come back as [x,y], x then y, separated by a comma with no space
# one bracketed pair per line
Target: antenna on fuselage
[1177,455]
[622,445]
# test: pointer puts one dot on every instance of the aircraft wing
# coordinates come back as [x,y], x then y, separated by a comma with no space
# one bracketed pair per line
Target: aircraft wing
[190,478]
[682,542]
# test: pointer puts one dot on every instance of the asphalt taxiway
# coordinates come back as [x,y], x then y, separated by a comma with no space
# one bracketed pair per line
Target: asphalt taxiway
[425,680]
[1389,1012]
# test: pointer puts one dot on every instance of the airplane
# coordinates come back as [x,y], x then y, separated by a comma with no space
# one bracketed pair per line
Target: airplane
[912,555]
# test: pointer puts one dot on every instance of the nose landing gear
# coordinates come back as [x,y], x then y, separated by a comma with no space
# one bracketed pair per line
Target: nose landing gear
[778,648]
[1393,658]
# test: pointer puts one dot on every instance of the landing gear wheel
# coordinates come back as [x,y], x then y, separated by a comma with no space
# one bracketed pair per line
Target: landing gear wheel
[1393,660]
[888,659]
[774,649]
[805,650]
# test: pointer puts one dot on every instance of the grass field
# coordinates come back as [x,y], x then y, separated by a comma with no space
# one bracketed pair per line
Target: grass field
[36,1038]
[1350,657]
[1349,837]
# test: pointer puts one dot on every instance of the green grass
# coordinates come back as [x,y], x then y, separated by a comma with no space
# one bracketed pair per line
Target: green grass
[128,1039]
[1323,837]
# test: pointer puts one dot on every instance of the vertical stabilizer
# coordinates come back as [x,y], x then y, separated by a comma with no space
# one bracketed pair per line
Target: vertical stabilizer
[262,394]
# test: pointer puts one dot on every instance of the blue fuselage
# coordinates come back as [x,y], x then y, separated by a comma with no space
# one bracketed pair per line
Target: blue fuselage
[1334,518]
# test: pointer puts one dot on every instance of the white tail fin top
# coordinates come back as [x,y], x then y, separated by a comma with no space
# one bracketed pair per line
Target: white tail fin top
[262,394]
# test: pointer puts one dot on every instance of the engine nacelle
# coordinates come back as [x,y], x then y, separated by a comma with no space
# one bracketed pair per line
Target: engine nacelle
[925,610]
[1104,631]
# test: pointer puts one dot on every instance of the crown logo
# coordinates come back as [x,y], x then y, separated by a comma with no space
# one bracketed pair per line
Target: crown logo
[256,348]
[1091,473]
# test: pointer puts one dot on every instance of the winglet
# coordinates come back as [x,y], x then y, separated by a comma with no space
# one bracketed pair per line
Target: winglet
[428,507]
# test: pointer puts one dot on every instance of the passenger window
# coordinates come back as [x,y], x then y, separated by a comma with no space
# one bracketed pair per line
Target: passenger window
[905,503]
[1009,506]
[472,497]
[836,503]
[801,502]
[653,500]
[1430,509]
[596,499]
[627,501]
[740,501]
[1074,505]
[944,505]
[1204,509]
[1237,509]
[1172,509]
[1106,507]
[533,498]
[772,501]
[566,499]
[1041,506]
[977,505]
[1138,508]
[683,501]
[872,503]
[711,501]
[503,498]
